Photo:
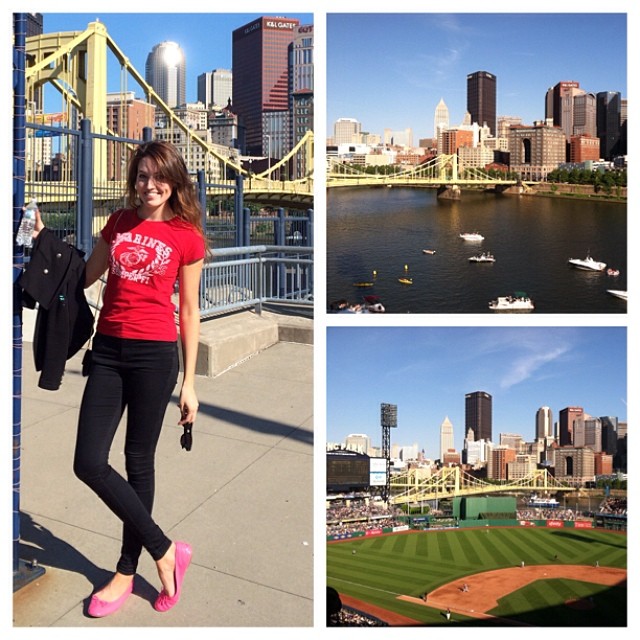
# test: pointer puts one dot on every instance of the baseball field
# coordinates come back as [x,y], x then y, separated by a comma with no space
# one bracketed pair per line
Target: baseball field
[531,576]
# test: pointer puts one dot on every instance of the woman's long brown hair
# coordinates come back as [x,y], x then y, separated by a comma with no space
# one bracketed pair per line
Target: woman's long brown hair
[171,169]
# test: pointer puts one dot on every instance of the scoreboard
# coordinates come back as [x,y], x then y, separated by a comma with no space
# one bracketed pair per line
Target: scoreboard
[347,470]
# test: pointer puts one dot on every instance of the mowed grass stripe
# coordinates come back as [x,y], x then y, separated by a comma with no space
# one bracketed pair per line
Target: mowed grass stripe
[522,547]
[466,550]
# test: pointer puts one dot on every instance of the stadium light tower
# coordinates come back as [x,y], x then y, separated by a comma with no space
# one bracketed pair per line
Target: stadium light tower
[388,420]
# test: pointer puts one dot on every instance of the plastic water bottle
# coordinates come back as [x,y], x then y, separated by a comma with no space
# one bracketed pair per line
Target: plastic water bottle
[27,224]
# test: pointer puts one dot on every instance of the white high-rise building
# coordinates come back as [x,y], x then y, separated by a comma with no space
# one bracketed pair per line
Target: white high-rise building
[440,122]
[544,423]
[166,72]
[446,437]
[359,442]
[346,130]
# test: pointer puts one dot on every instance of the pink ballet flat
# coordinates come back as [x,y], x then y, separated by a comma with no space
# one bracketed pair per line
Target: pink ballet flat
[183,559]
[100,608]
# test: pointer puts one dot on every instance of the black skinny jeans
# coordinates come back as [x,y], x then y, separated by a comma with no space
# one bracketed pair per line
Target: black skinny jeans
[138,375]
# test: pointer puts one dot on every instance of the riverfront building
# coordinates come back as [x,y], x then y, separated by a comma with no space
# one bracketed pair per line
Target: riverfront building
[536,150]
[584,148]
[166,72]
[575,464]
[478,406]
[260,54]
[454,139]
[481,99]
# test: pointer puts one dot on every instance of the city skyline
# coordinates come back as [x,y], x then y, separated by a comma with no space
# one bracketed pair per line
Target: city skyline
[426,372]
[191,31]
[440,50]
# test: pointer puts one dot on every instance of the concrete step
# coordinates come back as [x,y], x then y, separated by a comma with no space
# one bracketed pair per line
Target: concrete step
[228,340]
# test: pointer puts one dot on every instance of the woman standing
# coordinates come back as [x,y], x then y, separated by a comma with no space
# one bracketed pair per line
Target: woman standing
[146,248]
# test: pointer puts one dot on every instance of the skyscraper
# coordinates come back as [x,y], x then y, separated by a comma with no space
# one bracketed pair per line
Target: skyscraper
[346,130]
[566,424]
[440,123]
[446,437]
[215,87]
[260,55]
[481,99]
[301,68]
[608,118]
[561,102]
[544,423]
[477,414]
[166,72]
[584,115]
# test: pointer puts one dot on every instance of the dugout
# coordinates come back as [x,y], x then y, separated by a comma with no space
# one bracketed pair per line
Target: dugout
[485,508]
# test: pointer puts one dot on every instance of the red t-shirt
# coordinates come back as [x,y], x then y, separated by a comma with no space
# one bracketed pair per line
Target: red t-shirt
[144,262]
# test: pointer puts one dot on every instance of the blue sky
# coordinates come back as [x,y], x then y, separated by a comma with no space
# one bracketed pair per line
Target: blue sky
[426,372]
[391,70]
[204,37]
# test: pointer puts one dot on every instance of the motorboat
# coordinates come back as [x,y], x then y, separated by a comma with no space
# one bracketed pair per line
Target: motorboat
[429,251]
[618,293]
[519,301]
[613,272]
[405,280]
[474,237]
[482,257]
[363,284]
[587,264]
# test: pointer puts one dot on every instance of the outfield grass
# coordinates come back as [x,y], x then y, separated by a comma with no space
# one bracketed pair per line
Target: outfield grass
[384,567]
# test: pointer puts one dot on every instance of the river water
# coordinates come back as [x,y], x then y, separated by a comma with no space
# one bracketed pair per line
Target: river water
[378,235]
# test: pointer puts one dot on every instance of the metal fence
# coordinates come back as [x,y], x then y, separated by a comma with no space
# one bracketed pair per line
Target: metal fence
[243,277]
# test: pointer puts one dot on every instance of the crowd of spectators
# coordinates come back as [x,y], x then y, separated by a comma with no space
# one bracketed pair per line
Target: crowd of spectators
[614,506]
[360,509]
[541,513]
[359,515]
[342,528]
[340,616]
[350,618]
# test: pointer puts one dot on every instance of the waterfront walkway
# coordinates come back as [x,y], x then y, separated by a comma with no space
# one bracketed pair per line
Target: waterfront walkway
[242,497]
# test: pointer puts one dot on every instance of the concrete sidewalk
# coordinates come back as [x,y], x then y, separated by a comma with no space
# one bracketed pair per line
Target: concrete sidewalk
[242,497]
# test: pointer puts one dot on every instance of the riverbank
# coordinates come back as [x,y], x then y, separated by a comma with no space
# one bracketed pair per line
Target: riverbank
[575,192]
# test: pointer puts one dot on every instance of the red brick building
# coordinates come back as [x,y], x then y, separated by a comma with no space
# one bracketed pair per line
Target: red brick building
[583,148]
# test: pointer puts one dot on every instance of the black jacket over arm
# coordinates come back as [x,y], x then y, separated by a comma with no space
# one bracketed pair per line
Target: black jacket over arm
[54,278]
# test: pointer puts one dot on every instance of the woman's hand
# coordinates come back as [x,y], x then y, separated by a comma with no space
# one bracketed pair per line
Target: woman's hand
[39,226]
[188,404]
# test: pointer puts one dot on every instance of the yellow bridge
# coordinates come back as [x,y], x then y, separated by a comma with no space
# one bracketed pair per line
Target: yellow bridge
[417,485]
[442,171]
[75,63]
